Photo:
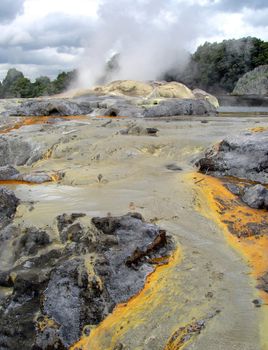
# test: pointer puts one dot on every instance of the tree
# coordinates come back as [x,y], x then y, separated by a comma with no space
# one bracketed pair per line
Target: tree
[42,87]
[218,66]
[9,83]
[63,81]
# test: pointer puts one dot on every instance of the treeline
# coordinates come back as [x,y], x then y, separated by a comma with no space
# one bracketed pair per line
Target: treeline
[15,84]
[216,67]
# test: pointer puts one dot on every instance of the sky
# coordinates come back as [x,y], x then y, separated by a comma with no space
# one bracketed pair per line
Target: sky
[45,37]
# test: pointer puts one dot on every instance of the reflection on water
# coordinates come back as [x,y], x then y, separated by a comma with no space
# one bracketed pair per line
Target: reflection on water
[51,200]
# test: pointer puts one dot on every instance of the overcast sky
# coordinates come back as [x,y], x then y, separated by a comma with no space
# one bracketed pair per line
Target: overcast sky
[45,37]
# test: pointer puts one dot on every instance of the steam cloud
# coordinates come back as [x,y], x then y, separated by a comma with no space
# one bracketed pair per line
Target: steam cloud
[150,37]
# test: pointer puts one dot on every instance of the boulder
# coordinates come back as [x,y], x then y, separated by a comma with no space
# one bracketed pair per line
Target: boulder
[253,83]
[176,107]
[201,94]
[256,197]
[243,156]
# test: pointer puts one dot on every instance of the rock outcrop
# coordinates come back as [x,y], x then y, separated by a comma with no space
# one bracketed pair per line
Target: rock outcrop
[243,156]
[8,206]
[56,291]
[9,173]
[124,98]
[253,83]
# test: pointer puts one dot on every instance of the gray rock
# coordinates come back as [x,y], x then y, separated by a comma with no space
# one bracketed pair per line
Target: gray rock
[256,197]
[8,172]
[8,205]
[19,151]
[113,106]
[253,83]
[31,241]
[53,107]
[175,107]
[234,189]
[55,295]
[241,156]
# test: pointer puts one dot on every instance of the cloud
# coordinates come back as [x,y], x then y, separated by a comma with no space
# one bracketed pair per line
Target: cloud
[151,35]
[10,9]
[238,5]
[257,18]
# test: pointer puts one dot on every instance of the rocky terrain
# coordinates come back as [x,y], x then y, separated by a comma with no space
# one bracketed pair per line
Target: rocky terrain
[244,157]
[253,83]
[124,98]
[57,292]
[102,242]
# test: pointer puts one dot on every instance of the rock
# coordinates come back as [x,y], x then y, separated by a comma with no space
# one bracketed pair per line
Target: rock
[253,83]
[53,107]
[173,167]
[31,241]
[172,90]
[8,206]
[241,156]
[56,294]
[123,98]
[234,189]
[138,130]
[256,197]
[125,87]
[176,107]
[18,151]
[8,172]
[201,94]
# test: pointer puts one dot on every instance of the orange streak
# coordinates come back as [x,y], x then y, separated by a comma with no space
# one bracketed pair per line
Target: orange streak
[38,120]
[233,217]
[129,315]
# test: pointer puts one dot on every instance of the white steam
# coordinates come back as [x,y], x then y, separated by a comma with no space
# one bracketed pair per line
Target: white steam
[151,36]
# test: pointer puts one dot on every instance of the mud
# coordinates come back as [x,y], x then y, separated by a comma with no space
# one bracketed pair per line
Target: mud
[108,174]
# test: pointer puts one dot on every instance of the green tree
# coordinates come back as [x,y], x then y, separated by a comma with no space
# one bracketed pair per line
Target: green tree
[42,87]
[218,66]
[63,81]
[22,87]
[9,83]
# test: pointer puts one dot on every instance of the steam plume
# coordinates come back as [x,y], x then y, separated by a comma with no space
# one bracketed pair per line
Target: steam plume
[147,37]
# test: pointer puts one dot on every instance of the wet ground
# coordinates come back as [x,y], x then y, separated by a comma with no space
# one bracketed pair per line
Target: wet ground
[203,298]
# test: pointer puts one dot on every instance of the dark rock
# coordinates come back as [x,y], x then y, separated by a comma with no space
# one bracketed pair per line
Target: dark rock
[31,241]
[8,206]
[257,302]
[234,189]
[55,295]
[173,167]
[64,220]
[152,131]
[8,172]
[256,197]
[242,156]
